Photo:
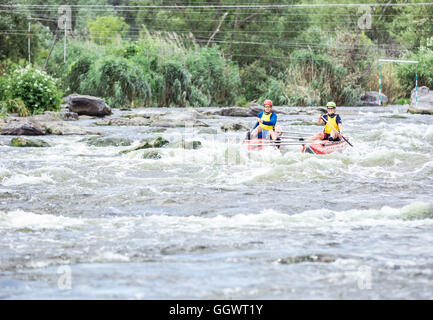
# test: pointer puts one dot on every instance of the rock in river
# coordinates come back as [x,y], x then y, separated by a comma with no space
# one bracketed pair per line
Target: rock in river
[20,127]
[40,125]
[107,142]
[371,98]
[157,142]
[234,126]
[88,105]
[23,142]
[425,101]
[185,145]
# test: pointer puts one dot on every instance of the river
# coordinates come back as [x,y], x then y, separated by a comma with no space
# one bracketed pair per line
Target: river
[219,222]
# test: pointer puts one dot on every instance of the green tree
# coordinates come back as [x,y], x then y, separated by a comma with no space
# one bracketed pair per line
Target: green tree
[105,30]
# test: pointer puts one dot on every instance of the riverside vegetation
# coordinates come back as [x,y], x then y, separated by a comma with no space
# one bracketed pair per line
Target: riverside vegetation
[181,58]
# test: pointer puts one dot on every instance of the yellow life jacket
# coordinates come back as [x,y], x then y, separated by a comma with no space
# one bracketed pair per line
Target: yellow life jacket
[266,117]
[331,121]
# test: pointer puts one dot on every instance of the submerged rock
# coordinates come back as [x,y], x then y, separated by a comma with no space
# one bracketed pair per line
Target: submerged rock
[234,126]
[151,154]
[304,123]
[425,101]
[208,131]
[87,105]
[107,142]
[23,142]
[189,145]
[157,142]
[308,258]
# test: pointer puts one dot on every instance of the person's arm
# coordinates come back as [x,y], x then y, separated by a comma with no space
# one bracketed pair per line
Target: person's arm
[272,122]
[258,120]
[320,121]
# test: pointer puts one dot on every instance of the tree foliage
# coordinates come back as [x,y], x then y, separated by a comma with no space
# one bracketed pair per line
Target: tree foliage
[200,53]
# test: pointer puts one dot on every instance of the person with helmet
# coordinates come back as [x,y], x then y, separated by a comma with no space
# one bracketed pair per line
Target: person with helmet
[333,125]
[265,124]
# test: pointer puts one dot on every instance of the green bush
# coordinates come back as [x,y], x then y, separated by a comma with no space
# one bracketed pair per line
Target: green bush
[254,81]
[213,75]
[3,89]
[35,88]
[77,73]
[177,83]
[116,79]
[13,106]
[407,72]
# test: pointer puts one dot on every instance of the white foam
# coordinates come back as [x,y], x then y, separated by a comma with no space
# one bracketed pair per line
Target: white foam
[20,179]
[19,219]
[108,256]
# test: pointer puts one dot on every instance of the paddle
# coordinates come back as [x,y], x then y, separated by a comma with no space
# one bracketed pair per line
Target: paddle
[337,131]
[272,143]
[297,133]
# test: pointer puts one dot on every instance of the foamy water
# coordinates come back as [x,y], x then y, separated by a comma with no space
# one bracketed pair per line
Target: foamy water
[221,222]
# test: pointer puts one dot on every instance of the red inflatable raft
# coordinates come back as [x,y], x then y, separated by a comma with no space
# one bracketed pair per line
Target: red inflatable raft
[325,147]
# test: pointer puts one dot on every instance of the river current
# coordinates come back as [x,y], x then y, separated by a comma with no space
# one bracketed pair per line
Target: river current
[220,222]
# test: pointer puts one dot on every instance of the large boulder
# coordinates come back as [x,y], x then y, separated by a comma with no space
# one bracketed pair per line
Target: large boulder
[87,105]
[40,125]
[22,127]
[425,101]
[371,98]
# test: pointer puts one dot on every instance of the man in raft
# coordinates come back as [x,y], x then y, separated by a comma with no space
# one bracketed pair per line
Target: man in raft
[333,126]
[265,124]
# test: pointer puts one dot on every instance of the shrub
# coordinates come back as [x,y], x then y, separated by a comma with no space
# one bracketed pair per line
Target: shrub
[14,106]
[254,81]
[3,90]
[213,75]
[35,88]
[116,79]
[406,72]
[177,82]
[77,73]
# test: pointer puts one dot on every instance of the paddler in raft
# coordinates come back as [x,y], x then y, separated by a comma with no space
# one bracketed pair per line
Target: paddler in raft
[332,120]
[265,124]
